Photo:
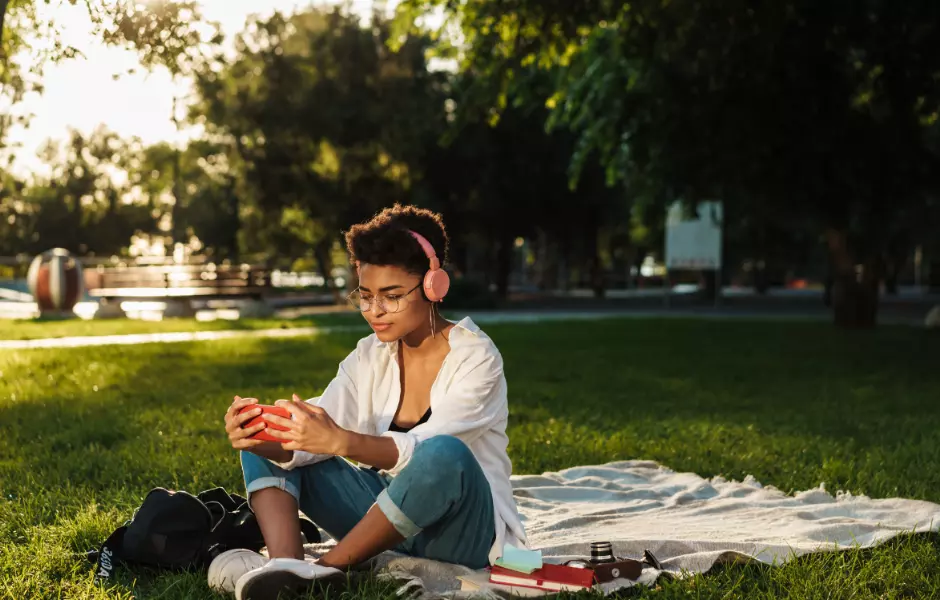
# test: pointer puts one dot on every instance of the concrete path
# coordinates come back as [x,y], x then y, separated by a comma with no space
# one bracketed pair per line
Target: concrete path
[162,338]
[483,318]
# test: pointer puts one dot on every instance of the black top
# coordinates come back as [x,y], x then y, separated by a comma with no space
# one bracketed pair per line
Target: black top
[400,429]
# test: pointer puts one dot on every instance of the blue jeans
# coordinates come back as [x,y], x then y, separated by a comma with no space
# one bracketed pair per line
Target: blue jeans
[440,502]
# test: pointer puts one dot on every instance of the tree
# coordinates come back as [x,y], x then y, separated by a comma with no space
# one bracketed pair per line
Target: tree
[82,205]
[192,193]
[16,226]
[497,183]
[325,123]
[212,210]
[167,33]
[822,112]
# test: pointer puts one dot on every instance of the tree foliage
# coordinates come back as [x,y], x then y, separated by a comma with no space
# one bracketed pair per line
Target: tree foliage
[165,33]
[324,123]
[81,205]
[799,111]
[573,124]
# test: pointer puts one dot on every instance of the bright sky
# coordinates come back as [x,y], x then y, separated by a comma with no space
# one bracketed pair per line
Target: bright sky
[83,93]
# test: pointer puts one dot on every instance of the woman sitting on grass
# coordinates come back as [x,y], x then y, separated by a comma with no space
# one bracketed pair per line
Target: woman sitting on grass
[420,404]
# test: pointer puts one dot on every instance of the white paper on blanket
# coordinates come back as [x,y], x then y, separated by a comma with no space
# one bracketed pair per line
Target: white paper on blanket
[688,522]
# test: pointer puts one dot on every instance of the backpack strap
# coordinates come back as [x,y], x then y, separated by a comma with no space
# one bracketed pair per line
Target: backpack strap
[109,555]
[236,528]
[217,541]
[310,531]
[229,502]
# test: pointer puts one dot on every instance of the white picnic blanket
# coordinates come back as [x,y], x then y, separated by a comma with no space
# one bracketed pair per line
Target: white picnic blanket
[688,522]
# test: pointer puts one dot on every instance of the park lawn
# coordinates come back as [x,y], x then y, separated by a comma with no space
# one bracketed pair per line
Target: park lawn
[85,434]
[30,329]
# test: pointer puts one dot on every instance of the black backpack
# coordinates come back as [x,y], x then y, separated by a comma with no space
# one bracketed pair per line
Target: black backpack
[177,531]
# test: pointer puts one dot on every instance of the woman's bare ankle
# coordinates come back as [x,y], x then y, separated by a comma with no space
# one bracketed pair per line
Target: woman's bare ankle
[286,554]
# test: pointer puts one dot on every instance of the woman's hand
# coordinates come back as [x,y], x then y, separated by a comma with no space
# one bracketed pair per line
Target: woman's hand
[311,429]
[238,436]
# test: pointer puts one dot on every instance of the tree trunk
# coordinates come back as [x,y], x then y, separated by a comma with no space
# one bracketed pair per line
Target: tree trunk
[761,284]
[457,256]
[639,256]
[503,264]
[235,210]
[325,263]
[595,268]
[598,281]
[827,288]
[541,260]
[891,282]
[854,294]
[176,212]
[709,285]
[895,259]
[3,14]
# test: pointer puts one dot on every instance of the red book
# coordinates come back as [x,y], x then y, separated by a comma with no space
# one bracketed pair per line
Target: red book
[558,578]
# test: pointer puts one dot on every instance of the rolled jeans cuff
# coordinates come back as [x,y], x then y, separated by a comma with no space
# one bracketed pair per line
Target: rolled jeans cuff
[280,483]
[399,520]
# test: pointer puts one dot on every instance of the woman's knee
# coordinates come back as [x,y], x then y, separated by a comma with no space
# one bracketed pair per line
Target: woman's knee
[443,448]
[441,477]
[442,456]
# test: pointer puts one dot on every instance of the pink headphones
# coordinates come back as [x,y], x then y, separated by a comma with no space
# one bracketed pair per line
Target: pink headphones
[436,280]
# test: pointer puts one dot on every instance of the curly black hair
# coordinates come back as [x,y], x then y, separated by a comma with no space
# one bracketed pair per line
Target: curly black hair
[384,240]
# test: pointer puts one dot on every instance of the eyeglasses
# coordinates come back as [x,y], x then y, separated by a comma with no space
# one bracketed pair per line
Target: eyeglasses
[390,303]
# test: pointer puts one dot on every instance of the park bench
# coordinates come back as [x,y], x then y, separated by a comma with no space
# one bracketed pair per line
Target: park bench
[178,285]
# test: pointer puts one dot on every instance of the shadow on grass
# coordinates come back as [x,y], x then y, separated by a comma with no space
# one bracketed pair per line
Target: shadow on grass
[158,420]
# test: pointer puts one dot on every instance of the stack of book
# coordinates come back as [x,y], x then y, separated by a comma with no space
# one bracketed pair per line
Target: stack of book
[522,573]
[550,578]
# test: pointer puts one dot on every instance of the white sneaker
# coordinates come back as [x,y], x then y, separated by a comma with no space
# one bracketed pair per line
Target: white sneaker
[228,567]
[281,575]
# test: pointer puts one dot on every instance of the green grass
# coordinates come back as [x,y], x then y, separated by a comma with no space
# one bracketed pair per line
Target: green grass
[86,433]
[30,329]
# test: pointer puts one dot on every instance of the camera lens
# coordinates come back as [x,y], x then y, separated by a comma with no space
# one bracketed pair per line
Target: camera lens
[602,552]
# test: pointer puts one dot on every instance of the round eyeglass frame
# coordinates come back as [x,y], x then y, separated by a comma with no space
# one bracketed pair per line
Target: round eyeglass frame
[386,304]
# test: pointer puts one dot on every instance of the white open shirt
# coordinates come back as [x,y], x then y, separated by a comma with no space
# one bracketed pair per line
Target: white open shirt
[468,401]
